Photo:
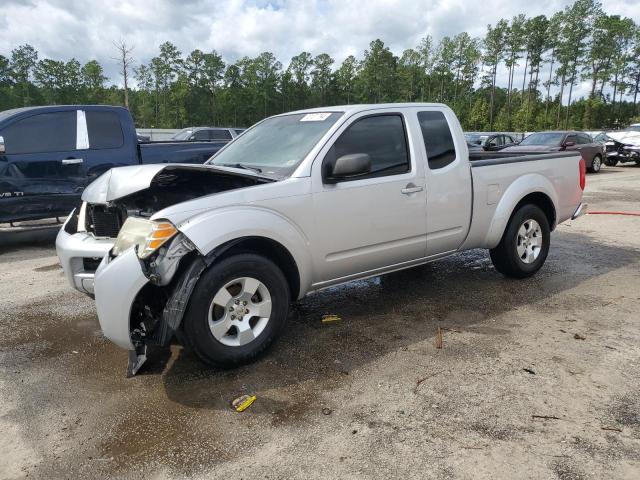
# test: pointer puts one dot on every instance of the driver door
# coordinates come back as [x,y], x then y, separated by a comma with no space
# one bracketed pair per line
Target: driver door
[375,220]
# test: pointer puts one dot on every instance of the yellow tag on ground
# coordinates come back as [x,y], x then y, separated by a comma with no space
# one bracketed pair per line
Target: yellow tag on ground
[330,318]
[243,402]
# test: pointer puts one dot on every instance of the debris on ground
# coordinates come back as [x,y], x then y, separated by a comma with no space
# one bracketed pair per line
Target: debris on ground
[326,411]
[243,402]
[330,318]
[528,370]
[577,336]
[611,429]
[546,417]
[420,380]
[439,339]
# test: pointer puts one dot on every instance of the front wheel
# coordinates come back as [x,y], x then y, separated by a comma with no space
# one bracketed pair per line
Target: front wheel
[237,309]
[596,165]
[524,245]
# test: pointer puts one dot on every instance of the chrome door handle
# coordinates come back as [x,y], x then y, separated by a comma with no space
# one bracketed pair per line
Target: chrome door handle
[72,161]
[411,189]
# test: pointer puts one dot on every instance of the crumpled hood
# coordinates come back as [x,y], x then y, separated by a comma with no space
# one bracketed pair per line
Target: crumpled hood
[626,137]
[123,181]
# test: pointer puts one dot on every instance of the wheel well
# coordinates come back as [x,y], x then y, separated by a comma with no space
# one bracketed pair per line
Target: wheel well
[272,250]
[544,202]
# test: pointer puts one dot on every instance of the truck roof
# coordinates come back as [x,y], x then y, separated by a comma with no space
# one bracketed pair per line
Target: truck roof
[55,108]
[363,107]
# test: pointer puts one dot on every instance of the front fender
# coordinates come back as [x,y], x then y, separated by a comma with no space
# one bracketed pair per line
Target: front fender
[211,229]
[523,186]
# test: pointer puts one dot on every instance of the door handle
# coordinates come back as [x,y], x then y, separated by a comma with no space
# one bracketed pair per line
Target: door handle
[411,188]
[72,161]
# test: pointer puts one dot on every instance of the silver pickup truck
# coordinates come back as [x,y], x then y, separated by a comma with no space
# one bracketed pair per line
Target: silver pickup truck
[214,254]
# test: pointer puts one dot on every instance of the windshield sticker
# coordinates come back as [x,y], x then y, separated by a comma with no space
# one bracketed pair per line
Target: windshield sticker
[315,117]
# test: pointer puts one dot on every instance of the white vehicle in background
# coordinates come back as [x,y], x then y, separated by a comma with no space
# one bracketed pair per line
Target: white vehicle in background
[302,201]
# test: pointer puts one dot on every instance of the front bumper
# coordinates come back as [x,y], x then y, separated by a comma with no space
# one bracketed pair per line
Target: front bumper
[580,211]
[77,252]
[117,283]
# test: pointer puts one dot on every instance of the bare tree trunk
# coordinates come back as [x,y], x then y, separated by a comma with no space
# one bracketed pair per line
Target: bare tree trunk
[126,62]
[524,77]
[546,108]
[562,82]
[635,93]
[493,90]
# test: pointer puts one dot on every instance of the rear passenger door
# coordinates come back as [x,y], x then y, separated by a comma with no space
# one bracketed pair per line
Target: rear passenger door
[449,190]
[105,147]
[376,220]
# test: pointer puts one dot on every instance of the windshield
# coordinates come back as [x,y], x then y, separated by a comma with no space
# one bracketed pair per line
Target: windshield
[277,145]
[551,139]
[183,134]
[634,128]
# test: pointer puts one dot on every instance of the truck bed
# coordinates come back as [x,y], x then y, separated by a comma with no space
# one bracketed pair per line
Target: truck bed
[493,174]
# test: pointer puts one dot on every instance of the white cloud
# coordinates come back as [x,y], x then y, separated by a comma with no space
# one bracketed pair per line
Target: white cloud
[85,30]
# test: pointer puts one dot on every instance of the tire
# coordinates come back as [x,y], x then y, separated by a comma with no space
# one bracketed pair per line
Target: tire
[507,256]
[611,162]
[228,322]
[596,165]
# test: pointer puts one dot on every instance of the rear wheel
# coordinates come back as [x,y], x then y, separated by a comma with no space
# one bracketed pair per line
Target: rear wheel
[237,309]
[596,165]
[524,245]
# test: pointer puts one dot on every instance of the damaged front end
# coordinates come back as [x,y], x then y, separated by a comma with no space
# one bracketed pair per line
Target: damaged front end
[144,283]
[159,307]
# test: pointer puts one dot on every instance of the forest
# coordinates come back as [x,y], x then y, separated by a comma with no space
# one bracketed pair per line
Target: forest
[545,59]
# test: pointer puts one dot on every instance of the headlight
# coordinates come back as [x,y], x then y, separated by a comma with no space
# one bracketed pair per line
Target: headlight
[147,235]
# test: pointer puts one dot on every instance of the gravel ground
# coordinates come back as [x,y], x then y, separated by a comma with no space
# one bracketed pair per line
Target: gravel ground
[537,378]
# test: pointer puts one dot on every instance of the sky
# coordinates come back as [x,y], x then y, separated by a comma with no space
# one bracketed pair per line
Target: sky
[86,29]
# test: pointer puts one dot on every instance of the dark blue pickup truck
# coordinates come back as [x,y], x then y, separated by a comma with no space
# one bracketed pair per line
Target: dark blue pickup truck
[49,154]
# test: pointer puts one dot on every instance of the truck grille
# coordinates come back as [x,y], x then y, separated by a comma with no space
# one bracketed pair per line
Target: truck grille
[103,222]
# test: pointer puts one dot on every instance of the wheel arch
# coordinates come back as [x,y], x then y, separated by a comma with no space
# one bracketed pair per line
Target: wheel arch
[534,189]
[256,229]
[268,248]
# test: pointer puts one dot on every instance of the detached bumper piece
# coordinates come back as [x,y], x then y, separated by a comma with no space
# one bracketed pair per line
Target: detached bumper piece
[580,211]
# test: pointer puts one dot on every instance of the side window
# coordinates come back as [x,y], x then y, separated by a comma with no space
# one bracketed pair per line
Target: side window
[201,135]
[45,132]
[508,139]
[220,134]
[438,141]
[572,138]
[104,130]
[382,137]
[584,138]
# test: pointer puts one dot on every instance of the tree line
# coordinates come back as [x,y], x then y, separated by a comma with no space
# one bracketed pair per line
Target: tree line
[545,59]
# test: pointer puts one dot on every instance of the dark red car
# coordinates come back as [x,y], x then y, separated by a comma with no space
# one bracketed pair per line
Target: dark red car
[558,141]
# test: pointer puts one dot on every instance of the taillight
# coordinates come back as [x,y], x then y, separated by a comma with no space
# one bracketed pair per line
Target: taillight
[582,166]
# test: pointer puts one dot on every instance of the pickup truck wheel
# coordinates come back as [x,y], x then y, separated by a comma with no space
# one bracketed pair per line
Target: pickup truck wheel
[596,165]
[238,307]
[524,245]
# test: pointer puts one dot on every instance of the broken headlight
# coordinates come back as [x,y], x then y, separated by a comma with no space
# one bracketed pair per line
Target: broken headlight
[146,235]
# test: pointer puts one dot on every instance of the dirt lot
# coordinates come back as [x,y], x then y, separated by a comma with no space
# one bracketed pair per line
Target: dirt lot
[536,379]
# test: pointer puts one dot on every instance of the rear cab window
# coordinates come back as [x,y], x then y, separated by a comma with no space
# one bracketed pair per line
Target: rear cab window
[217,134]
[382,137]
[104,130]
[438,141]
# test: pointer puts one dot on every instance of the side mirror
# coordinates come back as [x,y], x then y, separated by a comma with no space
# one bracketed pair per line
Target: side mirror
[2,149]
[351,165]
[569,144]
